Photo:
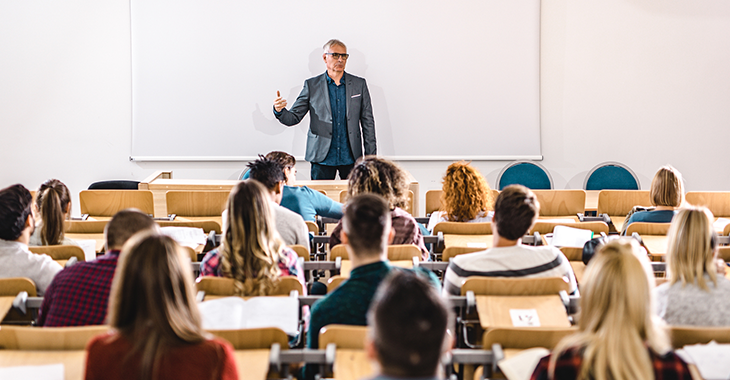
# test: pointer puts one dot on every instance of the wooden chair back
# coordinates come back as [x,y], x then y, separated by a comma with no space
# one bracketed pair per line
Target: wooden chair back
[548,227]
[396,252]
[106,203]
[573,253]
[451,252]
[85,226]
[59,252]
[461,228]
[11,286]
[409,204]
[723,252]
[190,253]
[196,202]
[684,335]
[503,286]
[561,202]
[334,282]
[312,227]
[433,201]
[225,287]
[343,336]
[252,339]
[301,251]
[716,201]
[620,202]
[643,228]
[48,338]
[206,225]
[526,337]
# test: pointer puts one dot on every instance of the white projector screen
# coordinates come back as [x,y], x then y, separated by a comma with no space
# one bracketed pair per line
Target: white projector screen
[449,79]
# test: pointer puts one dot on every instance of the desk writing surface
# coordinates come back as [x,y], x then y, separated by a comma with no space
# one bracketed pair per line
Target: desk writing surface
[6,303]
[592,200]
[252,364]
[74,362]
[578,269]
[346,266]
[657,246]
[478,241]
[494,310]
[351,364]
[98,237]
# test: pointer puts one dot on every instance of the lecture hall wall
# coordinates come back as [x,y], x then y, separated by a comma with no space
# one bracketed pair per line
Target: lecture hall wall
[643,82]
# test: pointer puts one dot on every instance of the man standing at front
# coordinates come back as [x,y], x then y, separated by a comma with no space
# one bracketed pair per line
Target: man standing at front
[341,116]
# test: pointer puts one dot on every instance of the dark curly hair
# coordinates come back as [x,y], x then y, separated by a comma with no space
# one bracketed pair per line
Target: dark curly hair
[376,175]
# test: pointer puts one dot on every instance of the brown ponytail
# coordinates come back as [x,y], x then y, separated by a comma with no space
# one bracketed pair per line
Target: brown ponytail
[52,202]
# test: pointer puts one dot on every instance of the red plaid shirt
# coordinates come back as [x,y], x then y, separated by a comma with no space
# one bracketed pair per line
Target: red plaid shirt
[667,367]
[79,294]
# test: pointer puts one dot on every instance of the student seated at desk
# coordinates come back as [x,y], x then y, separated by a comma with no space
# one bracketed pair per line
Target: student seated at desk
[667,194]
[304,201]
[251,248]
[617,338]
[158,331]
[695,294]
[53,206]
[379,176]
[408,324]
[366,231]
[16,225]
[515,212]
[466,197]
[79,295]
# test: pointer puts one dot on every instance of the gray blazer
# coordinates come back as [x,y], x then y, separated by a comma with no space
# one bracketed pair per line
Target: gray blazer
[315,99]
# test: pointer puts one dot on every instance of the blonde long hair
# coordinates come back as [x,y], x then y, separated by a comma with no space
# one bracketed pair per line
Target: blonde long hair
[152,301]
[691,247]
[251,246]
[466,193]
[615,325]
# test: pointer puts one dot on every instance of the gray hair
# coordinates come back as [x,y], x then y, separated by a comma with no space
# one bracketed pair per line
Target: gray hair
[333,42]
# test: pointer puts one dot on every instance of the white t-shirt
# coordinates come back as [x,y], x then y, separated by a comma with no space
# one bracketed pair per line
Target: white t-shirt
[440,216]
[17,261]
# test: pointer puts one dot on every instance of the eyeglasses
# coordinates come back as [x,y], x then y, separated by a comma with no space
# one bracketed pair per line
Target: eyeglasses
[338,55]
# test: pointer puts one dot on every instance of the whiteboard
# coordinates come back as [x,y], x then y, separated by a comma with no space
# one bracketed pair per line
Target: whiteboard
[449,79]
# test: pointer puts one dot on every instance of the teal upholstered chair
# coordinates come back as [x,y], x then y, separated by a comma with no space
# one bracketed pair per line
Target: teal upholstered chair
[611,176]
[527,173]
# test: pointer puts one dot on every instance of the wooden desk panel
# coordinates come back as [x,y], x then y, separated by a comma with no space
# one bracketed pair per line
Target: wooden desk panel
[477,241]
[351,364]
[494,310]
[74,362]
[252,364]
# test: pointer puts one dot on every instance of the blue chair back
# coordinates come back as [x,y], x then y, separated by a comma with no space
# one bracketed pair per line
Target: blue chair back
[611,176]
[524,173]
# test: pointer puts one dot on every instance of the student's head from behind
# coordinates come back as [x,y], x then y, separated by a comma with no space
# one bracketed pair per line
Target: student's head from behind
[269,173]
[53,202]
[408,326]
[376,175]
[287,162]
[16,214]
[125,224]
[152,300]
[366,225]
[465,192]
[515,211]
[251,245]
[615,325]
[692,247]
[667,187]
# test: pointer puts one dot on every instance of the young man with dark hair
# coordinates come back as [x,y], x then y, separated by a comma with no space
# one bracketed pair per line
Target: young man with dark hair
[79,295]
[515,212]
[408,323]
[366,231]
[16,225]
[290,225]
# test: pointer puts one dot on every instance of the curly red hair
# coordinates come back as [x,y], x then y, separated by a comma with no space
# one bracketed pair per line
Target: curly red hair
[465,194]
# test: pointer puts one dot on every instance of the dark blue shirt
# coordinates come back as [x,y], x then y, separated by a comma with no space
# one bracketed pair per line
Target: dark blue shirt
[340,152]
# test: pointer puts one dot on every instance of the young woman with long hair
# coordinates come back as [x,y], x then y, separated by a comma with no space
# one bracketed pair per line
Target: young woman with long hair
[617,338]
[466,196]
[157,332]
[251,252]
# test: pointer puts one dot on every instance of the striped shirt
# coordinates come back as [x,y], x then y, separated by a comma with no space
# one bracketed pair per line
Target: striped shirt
[514,261]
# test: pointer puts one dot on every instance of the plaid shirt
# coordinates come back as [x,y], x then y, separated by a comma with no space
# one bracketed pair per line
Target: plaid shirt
[405,227]
[667,367]
[288,264]
[79,294]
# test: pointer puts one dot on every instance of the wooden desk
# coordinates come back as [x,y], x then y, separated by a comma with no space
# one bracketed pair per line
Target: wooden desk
[97,237]
[161,181]
[6,303]
[657,246]
[477,241]
[346,266]
[592,200]
[74,362]
[494,311]
[252,364]
[351,364]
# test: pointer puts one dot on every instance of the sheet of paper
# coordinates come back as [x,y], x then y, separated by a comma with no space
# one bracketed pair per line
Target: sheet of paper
[524,317]
[89,247]
[33,372]
[521,366]
[712,359]
[231,313]
[720,224]
[564,236]
[186,236]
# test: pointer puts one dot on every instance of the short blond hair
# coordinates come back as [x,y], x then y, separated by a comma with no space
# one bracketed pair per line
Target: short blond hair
[691,247]
[667,187]
[333,42]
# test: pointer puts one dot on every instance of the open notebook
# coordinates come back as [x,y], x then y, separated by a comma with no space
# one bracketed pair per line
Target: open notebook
[233,313]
